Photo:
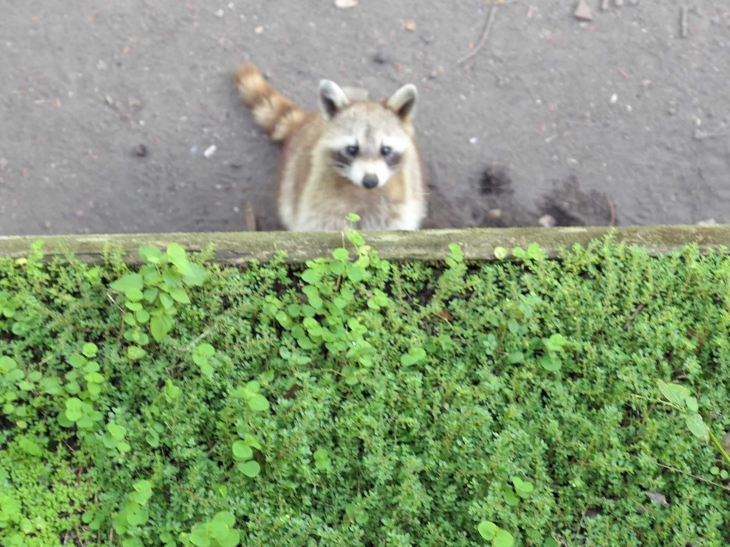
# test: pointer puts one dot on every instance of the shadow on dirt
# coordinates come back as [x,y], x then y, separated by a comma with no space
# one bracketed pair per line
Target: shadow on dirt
[490,203]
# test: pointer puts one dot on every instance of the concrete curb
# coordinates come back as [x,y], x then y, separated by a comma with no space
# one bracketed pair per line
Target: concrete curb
[477,244]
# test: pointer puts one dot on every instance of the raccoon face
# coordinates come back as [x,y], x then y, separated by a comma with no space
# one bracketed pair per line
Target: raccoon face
[367,141]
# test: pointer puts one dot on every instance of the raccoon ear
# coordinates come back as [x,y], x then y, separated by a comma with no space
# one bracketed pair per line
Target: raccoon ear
[403,101]
[331,97]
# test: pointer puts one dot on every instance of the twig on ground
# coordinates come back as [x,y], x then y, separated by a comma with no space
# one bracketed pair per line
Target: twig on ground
[250,217]
[683,24]
[201,336]
[612,221]
[637,311]
[693,476]
[702,135]
[483,39]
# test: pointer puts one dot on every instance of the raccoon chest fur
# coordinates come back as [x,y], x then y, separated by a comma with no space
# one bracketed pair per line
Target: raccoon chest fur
[352,156]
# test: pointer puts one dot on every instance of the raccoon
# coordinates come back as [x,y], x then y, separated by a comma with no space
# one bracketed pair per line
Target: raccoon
[352,156]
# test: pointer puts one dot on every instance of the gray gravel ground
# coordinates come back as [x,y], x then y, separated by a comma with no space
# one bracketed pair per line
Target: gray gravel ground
[106,108]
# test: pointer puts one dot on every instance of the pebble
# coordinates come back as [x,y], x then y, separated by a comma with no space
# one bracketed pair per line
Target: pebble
[220,12]
[708,222]
[210,151]
[583,11]
[345,4]
[494,213]
[428,37]
[141,150]
[614,98]
[473,140]
[547,221]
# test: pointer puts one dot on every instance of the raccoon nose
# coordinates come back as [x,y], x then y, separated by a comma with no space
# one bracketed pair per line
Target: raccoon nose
[370,181]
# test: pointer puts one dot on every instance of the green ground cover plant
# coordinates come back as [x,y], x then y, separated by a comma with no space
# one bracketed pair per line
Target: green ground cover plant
[356,401]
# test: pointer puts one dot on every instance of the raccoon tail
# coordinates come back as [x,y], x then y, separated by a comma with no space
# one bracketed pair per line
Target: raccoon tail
[277,115]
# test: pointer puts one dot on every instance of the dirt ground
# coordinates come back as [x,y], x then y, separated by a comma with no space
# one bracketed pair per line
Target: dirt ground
[107,108]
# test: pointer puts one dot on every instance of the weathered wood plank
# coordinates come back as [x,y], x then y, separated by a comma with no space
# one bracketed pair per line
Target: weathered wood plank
[478,244]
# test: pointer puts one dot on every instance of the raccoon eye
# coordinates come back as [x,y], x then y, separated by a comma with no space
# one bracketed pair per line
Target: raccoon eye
[352,150]
[386,150]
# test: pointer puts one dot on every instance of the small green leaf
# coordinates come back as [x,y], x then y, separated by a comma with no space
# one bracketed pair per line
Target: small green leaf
[415,355]
[362,518]
[176,252]
[519,252]
[511,498]
[166,300]
[697,426]
[352,217]
[199,536]
[258,403]
[500,253]
[160,326]
[311,276]
[135,353]
[206,350]
[226,518]
[150,253]
[515,357]
[534,251]
[195,276]
[503,539]
[523,488]
[134,294]
[231,540]
[151,294]
[691,403]
[355,273]
[117,431]
[341,254]
[179,295]
[7,364]
[550,542]
[152,438]
[89,349]
[241,451]
[77,360]
[218,530]
[73,409]
[250,468]
[549,363]
[129,281]
[674,393]
[488,530]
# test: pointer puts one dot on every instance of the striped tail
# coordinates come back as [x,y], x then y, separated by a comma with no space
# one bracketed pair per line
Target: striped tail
[277,115]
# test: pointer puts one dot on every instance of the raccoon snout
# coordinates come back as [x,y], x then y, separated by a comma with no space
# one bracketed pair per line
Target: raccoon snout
[370,181]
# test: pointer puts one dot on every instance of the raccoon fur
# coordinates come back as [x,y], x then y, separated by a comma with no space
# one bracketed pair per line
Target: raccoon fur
[352,156]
